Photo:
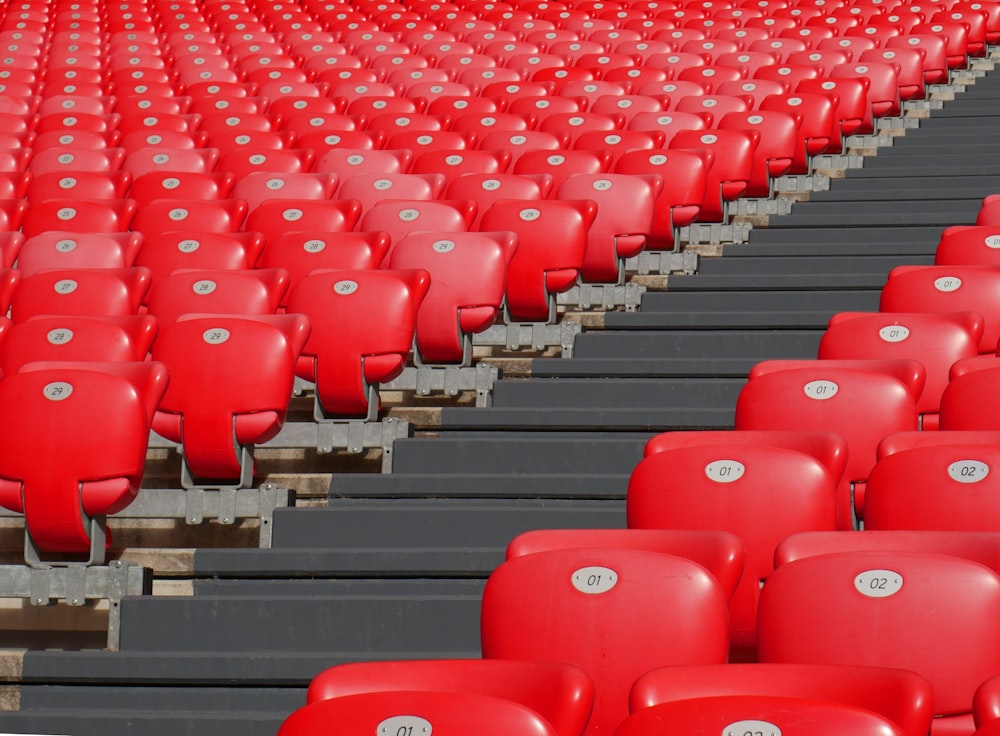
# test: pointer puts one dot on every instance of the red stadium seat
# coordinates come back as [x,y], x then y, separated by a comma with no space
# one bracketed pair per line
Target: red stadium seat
[363,324]
[613,612]
[872,606]
[468,274]
[212,407]
[242,292]
[59,465]
[562,694]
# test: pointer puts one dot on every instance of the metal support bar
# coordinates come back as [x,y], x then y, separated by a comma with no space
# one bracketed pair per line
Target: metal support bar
[78,585]
[664,262]
[536,336]
[715,233]
[351,436]
[448,379]
[603,296]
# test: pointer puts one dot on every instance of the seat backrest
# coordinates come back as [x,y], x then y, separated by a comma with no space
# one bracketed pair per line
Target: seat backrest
[363,324]
[721,553]
[626,208]
[468,272]
[947,289]
[936,340]
[273,218]
[968,245]
[563,694]
[69,250]
[485,189]
[301,251]
[95,292]
[759,493]
[257,187]
[164,253]
[787,715]
[930,613]
[61,461]
[446,713]
[837,396]
[968,401]
[939,486]
[205,215]
[370,188]
[75,338]
[250,291]
[903,697]
[79,216]
[617,613]
[400,217]
[213,407]
[552,242]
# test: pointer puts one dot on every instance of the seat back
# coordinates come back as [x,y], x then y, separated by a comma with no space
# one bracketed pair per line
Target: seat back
[787,715]
[95,292]
[947,289]
[252,291]
[760,494]
[213,406]
[363,323]
[468,273]
[61,461]
[552,242]
[932,614]
[936,340]
[563,694]
[835,396]
[721,553]
[447,713]
[903,697]
[616,613]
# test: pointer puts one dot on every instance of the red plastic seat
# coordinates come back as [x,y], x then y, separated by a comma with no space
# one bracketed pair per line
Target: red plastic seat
[246,160]
[883,92]
[452,713]
[62,464]
[721,553]
[968,245]
[345,162]
[363,324]
[767,713]
[79,216]
[612,612]
[74,338]
[371,188]
[456,163]
[937,340]
[967,399]
[233,292]
[904,698]
[562,164]
[989,211]
[947,289]
[58,249]
[153,158]
[485,189]
[401,217]
[65,159]
[731,170]
[212,407]
[181,185]
[468,275]
[562,694]
[781,149]
[735,488]
[852,93]
[685,178]
[929,613]
[836,396]
[166,252]
[90,292]
[945,487]
[195,215]
[301,252]
[626,208]
[274,217]
[261,186]
[552,242]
